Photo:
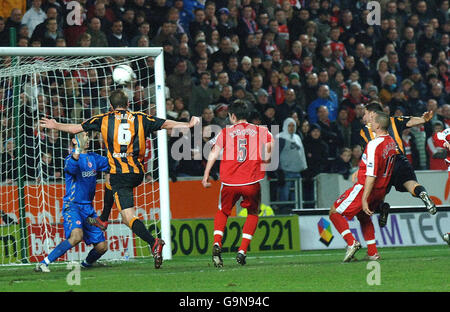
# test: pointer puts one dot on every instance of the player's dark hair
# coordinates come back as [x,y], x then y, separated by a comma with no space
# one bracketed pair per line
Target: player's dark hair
[374,107]
[383,120]
[240,109]
[118,99]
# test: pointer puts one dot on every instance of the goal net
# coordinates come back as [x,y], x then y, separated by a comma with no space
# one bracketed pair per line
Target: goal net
[70,89]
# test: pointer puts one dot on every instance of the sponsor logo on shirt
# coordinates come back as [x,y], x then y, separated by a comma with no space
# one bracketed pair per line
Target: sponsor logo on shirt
[122,155]
[87,174]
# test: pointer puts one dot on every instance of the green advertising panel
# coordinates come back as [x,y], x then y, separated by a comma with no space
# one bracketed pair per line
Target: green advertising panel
[195,236]
[9,244]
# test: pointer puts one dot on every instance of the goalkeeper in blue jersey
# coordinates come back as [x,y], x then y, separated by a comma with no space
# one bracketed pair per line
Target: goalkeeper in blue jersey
[80,171]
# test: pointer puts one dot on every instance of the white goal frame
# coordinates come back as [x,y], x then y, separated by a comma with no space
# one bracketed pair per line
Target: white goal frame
[160,98]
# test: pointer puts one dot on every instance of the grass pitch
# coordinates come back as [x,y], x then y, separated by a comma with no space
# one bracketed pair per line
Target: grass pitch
[405,269]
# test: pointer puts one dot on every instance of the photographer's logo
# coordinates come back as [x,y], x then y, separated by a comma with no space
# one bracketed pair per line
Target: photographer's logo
[374,276]
[374,15]
[74,16]
[74,276]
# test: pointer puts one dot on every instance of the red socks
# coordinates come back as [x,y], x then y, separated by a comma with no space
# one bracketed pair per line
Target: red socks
[368,231]
[247,232]
[341,225]
[220,222]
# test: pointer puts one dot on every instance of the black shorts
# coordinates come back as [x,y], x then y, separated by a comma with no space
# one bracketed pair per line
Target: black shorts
[403,171]
[122,185]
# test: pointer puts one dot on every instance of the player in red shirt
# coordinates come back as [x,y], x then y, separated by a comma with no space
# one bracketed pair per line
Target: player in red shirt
[374,173]
[442,139]
[242,166]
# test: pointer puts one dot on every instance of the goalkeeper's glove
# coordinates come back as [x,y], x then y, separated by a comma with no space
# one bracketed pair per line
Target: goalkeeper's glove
[81,142]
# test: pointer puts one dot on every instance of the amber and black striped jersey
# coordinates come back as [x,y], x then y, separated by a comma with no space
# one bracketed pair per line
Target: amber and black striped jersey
[124,133]
[398,124]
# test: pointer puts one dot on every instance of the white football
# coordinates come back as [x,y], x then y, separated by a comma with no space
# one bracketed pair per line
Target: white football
[123,74]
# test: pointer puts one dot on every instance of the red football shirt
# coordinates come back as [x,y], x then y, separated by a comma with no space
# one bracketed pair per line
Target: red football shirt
[440,138]
[377,161]
[242,145]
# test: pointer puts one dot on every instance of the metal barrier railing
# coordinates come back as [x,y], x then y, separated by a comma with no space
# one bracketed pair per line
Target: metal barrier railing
[299,202]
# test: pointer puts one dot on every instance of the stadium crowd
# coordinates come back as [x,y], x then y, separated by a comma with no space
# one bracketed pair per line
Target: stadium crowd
[308,66]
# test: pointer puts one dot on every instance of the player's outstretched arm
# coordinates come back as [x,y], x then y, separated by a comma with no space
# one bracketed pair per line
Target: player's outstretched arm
[212,157]
[53,124]
[171,124]
[417,121]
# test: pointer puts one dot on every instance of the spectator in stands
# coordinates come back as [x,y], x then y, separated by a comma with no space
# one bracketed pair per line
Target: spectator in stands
[84,41]
[343,128]
[226,95]
[328,134]
[222,81]
[98,37]
[212,42]
[292,159]
[4,33]
[9,163]
[199,24]
[143,30]
[52,33]
[275,88]
[14,20]
[323,99]
[57,148]
[289,105]
[357,152]
[316,151]
[245,68]
[437,93]
[224,53]
[180,82]
[343,165]
[41,28]
[304,129]
[207,116]
[23,32]
[262,101]
[240,93]
[268,118]
[234,74]
[99,10]
[246,24]
[202,95]
[310,89]
[116,37]
[224,26]
[410,148]
[388,88]
[221,115]
[34,16]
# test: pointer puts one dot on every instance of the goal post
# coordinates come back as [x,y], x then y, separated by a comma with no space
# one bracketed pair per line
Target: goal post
[83,81]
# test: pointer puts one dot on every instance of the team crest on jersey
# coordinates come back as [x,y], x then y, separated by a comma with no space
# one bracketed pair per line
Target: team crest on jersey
[89,164]
[78,222]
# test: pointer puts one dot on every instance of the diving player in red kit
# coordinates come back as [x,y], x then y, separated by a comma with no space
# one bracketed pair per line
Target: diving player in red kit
[375,169]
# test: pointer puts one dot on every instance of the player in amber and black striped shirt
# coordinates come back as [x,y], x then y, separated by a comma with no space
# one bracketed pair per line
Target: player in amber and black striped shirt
[124,133]
[403,178]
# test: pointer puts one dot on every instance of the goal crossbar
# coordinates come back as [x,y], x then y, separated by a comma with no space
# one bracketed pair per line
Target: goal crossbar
[29,51]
